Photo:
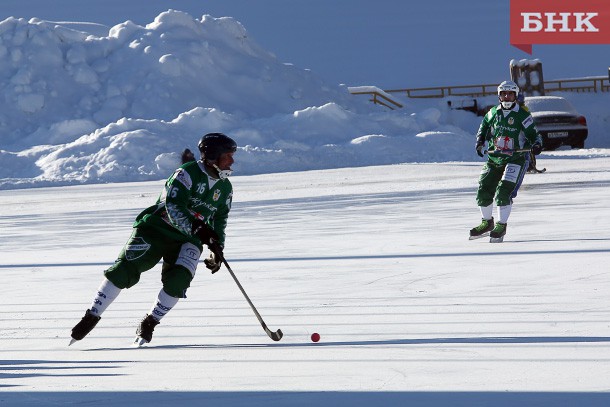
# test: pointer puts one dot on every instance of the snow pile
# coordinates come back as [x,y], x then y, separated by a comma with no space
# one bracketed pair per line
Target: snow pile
[88,106]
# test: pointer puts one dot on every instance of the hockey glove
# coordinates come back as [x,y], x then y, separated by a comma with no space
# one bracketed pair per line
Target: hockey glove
[480,146]
[536,149]
[216,256]
[216,249]
[213,263]
[187,156]
[205,233]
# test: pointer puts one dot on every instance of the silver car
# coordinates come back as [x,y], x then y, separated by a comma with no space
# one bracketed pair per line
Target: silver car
[558,122]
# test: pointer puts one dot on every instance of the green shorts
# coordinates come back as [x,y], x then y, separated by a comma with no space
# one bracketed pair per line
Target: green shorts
[144,249]
[500,182]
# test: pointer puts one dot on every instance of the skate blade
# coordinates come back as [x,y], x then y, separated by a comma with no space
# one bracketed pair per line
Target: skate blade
[496,239]
[139,342]
[479,236]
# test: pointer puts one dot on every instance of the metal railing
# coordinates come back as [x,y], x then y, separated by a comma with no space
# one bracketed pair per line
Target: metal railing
[383,97]
[592,84]
[378,96]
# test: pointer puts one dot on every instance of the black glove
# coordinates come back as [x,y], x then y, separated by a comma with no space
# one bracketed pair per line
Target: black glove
[205,233]
[480,146]
[216,256]
[213,262]
[216,250]
[187,156]
[536,149]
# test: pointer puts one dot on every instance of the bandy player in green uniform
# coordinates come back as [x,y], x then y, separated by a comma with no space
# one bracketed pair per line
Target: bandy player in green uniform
[505,129]
[191,212]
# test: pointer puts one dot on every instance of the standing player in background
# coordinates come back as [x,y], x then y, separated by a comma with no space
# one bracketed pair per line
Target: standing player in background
[507,133]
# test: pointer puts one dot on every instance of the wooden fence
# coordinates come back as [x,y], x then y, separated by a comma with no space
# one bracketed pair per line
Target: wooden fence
[378,96]
[591,84]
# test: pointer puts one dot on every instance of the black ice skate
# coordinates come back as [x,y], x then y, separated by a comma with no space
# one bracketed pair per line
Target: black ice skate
[145,330]
[86,324]
[497,234]
[483,229]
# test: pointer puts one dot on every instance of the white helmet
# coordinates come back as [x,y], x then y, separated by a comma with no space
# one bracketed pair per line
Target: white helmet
[508,86]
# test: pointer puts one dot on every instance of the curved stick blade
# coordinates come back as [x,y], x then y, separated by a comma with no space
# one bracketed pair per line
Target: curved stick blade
[276,336]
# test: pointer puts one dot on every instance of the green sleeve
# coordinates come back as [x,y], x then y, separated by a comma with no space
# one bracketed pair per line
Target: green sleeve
[486,124]
[530,130]
[178,190]
[221,216]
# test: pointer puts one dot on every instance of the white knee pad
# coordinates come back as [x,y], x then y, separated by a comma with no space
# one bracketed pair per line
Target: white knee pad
[189,257]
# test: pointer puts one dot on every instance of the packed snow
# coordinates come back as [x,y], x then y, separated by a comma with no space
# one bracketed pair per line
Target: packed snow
[82,108]
[349,220]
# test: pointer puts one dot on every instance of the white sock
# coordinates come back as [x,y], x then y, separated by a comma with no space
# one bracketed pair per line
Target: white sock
[504,213]
[104,297]
[487,211]
[163,305]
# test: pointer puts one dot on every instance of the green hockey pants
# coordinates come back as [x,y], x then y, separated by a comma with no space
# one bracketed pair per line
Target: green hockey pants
[144,249]
[500,182]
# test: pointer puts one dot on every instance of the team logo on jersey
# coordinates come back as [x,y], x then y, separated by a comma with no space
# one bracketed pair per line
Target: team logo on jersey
[504,143]
[216,196]
[511,120]
[183,177]
[136,248]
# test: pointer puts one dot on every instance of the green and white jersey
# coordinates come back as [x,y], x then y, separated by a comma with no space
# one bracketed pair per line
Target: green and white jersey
[188,194]
[508,130]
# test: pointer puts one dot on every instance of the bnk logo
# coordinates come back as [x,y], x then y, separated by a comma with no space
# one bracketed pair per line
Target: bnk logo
[532,22]
[559,22]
